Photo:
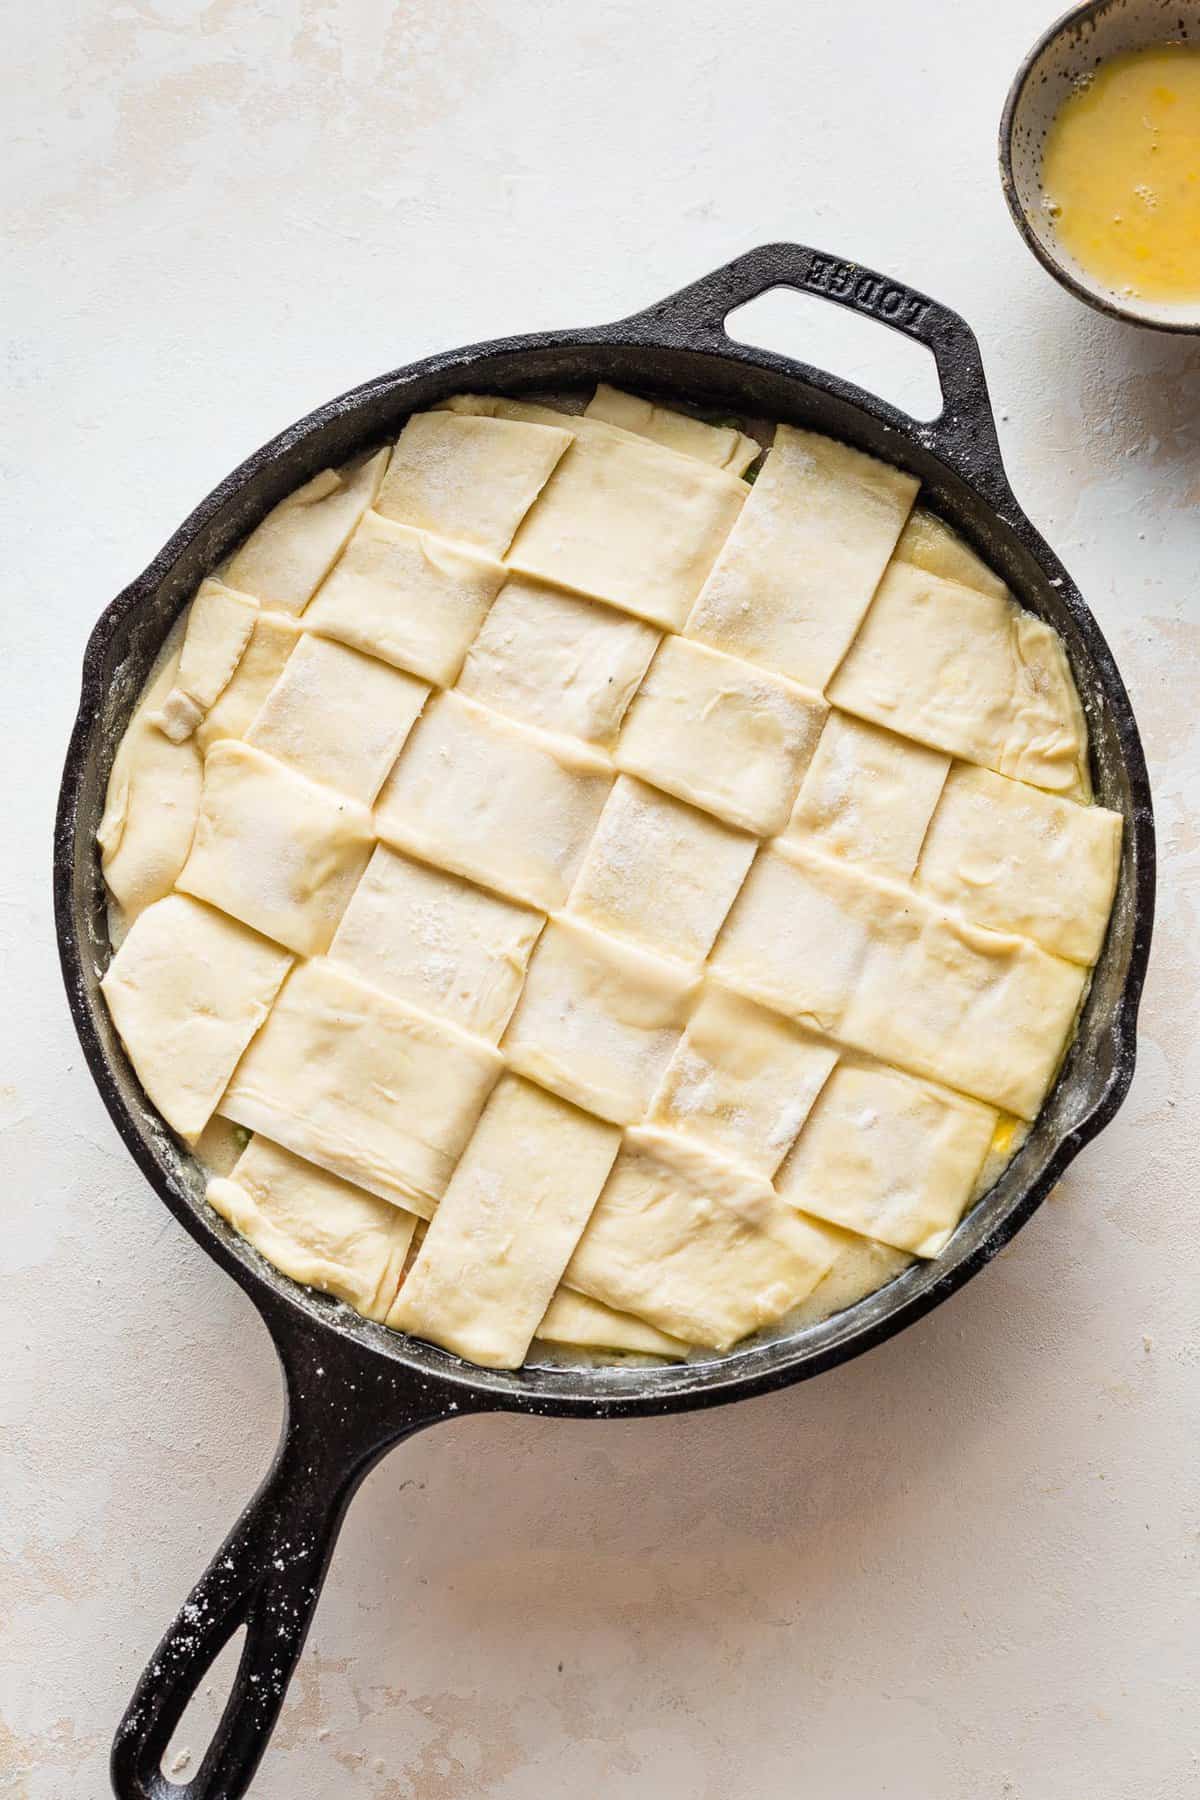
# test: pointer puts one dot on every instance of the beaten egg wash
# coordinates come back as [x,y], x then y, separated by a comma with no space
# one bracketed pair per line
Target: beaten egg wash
[1121,173]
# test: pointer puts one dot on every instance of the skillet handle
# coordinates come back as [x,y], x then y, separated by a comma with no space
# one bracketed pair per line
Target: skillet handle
[268,1573]
[963,434]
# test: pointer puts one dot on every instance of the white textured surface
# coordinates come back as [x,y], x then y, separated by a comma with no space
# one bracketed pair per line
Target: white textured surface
[962,1568]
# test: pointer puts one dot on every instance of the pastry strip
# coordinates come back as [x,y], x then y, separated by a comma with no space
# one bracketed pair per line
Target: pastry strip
[285,559]
[799,569]
[506,1226]
[278,851]
[437,942]
[700,1248]
[364,1086]
[313,1226]
[888,1156]
[969,673]
[187,990]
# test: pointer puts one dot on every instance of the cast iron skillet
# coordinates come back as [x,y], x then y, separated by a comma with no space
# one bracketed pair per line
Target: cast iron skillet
[355,1389]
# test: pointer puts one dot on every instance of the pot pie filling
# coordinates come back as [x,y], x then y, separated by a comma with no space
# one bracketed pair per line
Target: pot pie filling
[567,893]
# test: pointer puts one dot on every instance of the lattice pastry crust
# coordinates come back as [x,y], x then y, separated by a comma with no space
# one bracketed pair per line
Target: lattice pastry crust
[678,892]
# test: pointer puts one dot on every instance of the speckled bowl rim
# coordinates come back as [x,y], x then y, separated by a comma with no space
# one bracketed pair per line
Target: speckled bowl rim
[1097,298]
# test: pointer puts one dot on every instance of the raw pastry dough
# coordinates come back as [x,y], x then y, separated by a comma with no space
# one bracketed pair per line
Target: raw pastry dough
[437,942]
[798,936]
[660,872]
[152,800]
[1022,860]
[467,478]
[272,641]
[556,661]
[285,559]
[722,445]
[798,570]
[525,412]
[721,733]
[187,990]
[506,1226]
[414,599]
[626,521]
[315,1227]
[584,1324]
[841,1009]
[929,544]
[979,1010]
[868,795]
[494,801]
[701,1248]
[585,424]
[274,849]
[966,672]
[219,625]
[364,1086]
[742,1080]
[861,1266]
[338,717]
[888,1157]
[597,1020]
[880,967]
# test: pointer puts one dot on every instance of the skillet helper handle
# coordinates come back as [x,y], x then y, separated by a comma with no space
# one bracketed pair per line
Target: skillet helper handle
[267,1576]
[963,434]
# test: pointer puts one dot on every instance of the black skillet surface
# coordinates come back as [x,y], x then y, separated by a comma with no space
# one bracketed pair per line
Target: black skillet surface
[355,1389]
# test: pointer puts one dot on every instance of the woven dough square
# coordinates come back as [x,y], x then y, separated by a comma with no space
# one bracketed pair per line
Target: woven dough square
[494,801]
[469,479]
[928,543]
[285,559]
[355,1081]
[878,966]
[970,673]
[414,599]
[797,573]
[889,1157]
[730,738]
[274,637]
[584,1324]
[628,522]
[868,795]
[597,1020]
[860,1267]
[660,872]
[701,1248]
[721,445]
[438,942]
[274,849]
[799,935]
[187,990]
[556,661]
[219,626]
[338,717]
[982,1011]
[313,1226]
[1021,860]
[506,1225]
[742,1080]
[152,799]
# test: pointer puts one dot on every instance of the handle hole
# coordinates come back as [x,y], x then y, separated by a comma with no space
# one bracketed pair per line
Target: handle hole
[194,1732]
[846,343]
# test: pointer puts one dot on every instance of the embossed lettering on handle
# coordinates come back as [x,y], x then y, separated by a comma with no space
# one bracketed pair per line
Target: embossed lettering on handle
[874,294]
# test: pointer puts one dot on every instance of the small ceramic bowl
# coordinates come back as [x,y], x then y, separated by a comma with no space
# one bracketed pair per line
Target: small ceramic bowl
[1074,46]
